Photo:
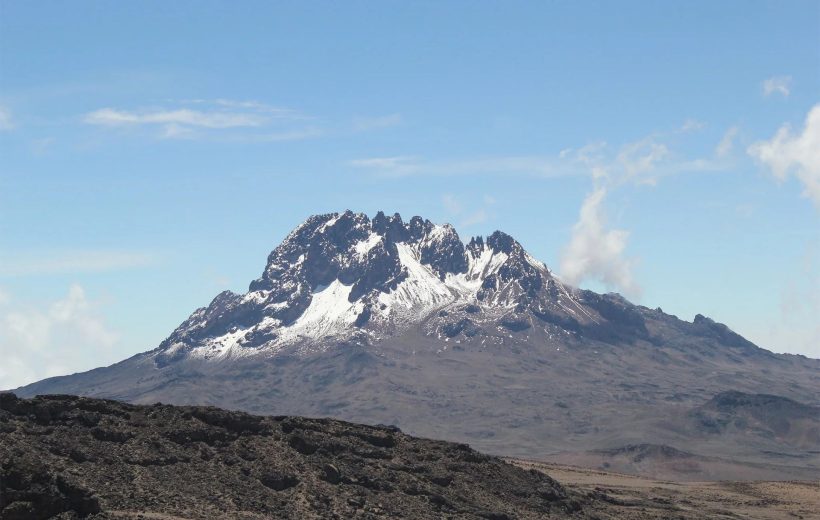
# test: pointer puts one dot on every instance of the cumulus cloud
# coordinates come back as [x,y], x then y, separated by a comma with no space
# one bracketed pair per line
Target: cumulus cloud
[596,252]
[777,84]
[62,337]
[6,122]
[788,154]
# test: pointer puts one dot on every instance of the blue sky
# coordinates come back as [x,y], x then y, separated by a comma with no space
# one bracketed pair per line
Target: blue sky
[153,153]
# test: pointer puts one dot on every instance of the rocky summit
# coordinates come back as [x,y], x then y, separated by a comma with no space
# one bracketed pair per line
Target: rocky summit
[387,321]
[344,277]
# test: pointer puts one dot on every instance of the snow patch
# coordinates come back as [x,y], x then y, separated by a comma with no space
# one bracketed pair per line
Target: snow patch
[536,263]
[276,306]
[328,224]
[174,348]
[363,247]
[329,312]
[221,345]
[422,289]
[439,232]
[255,296]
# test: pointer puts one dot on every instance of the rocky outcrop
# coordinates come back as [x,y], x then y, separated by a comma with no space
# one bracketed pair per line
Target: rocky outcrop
[79,457]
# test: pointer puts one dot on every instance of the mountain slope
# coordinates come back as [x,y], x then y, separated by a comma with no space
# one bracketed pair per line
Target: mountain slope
[768,416]
[382,321]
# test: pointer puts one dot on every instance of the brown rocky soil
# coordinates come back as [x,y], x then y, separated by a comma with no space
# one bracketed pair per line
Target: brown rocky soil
[78,457]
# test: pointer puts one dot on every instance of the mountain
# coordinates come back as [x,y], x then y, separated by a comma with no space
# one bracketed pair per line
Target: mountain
[345,278]
[392,322]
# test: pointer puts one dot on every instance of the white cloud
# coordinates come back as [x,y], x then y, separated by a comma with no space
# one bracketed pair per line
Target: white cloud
[67,335]
[596,252]
[175,131]
[361,124]
[76,310]
[245,105]
[727,143]
[274,111]
[786,154]
[29,330]
[186,117]
[399,166]
[247,121]
[777,84]
[6,122]
[639,160]
[78,261]
[644,161]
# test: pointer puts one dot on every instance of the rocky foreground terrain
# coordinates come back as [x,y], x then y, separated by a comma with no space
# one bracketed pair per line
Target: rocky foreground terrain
[73,457]
[77,457]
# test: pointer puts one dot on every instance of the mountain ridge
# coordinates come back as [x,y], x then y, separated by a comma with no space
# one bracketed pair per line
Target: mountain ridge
[344,274]
[339,273]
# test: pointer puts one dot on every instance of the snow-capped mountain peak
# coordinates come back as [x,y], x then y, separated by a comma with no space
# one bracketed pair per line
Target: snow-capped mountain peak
[343,276]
